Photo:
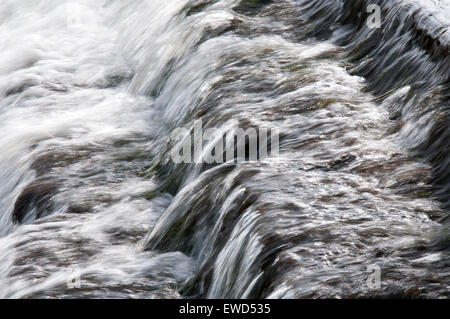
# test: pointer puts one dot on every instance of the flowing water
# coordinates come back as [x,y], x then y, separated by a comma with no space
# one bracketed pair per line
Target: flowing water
[92,205]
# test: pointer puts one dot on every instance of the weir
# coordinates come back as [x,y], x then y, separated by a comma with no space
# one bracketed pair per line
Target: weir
[93,93]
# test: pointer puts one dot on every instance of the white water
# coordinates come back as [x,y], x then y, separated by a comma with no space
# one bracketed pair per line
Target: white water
[78,115]
[65,54]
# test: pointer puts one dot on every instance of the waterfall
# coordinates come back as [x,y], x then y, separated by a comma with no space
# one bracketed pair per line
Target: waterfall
[343,164]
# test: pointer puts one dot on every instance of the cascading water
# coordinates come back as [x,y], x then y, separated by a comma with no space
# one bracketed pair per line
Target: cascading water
[92,92]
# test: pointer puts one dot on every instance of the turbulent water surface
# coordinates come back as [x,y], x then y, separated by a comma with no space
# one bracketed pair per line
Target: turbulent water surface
[91,91]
